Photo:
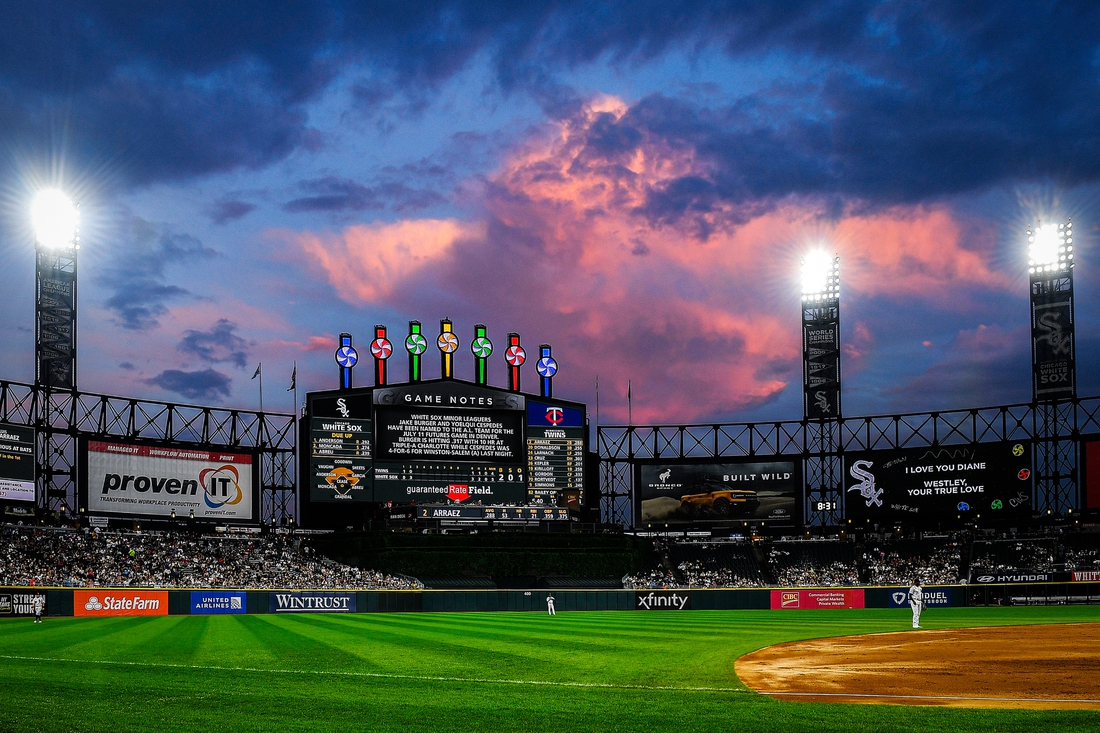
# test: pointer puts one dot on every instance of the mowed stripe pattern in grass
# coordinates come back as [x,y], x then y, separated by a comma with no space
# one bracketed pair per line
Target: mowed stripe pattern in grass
[381,672]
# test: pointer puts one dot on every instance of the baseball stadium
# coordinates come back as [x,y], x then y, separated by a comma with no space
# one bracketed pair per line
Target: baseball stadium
[440,229]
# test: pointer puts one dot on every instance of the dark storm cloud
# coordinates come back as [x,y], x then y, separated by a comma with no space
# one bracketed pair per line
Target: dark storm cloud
[218,344]
[227,210]
[341,194]
[136,275]
[899,100]
[208,385]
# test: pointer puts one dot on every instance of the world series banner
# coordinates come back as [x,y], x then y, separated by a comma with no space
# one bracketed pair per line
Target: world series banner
[821,368]
[989,479]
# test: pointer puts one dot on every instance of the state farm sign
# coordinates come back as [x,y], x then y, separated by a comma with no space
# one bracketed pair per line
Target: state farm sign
[107,602]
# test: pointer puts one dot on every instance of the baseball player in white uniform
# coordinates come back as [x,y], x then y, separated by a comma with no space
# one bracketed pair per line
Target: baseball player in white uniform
[39,602]
[916,602]
[550,605]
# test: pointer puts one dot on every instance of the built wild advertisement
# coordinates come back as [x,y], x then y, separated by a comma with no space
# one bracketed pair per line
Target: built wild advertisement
[959,481]
[685,493]
[159,480]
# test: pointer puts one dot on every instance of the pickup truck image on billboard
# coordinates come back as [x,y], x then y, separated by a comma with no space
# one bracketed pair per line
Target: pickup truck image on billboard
[708,493]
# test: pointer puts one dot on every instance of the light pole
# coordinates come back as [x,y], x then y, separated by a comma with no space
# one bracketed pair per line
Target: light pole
[821,384]
[56,222]
[1053,366]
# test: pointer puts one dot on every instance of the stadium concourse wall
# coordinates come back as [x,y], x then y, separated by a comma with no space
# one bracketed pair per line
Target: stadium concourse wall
[162,602]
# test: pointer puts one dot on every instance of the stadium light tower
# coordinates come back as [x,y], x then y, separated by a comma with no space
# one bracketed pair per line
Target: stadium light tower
[1053,366]
[57,238]
[821,385]
[1053,347]
[821,336]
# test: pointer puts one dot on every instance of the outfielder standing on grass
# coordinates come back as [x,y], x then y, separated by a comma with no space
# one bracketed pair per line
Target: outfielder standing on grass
[550,605]
[916,602]
[39,602]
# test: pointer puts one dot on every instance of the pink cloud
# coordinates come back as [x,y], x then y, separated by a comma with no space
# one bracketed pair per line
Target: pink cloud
[701,314]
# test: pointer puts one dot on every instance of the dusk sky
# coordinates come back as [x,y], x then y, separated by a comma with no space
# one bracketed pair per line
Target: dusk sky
[633,183]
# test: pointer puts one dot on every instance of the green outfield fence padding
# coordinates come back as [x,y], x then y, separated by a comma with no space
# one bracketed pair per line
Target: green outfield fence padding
[179,602]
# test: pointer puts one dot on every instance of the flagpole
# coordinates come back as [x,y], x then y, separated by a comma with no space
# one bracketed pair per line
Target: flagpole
[294,412]
[260,371]
[629,404]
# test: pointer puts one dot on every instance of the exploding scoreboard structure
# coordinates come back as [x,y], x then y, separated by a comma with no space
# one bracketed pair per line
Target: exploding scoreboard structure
[444,442]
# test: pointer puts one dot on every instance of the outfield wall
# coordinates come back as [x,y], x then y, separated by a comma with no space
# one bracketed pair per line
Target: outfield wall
[158,602]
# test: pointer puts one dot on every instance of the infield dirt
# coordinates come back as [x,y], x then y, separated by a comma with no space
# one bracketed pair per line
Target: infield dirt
[1049,666]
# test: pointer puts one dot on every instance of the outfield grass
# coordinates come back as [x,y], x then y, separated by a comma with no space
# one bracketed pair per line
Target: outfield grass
[599,671]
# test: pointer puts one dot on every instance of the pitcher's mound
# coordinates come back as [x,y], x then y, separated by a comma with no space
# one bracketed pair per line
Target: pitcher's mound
[1050,666]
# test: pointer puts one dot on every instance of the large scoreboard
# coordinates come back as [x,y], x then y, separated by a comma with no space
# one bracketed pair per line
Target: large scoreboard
[443,441]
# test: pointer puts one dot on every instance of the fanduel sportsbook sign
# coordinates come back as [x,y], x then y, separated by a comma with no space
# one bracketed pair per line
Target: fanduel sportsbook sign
[312,602]
[933,597]
[124,478]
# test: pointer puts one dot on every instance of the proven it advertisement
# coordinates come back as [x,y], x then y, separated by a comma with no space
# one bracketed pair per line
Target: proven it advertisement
[106,602]
[989,479]
[125,478]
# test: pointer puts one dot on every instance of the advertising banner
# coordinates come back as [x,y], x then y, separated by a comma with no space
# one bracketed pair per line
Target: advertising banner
[818,598]
[989,479]
[985,578]
[21,604]
[1090,576]
[656,600]
[16,463]
[322,602]
[684,493]
[217,601]
[125,478]
[113,602]
[933,598]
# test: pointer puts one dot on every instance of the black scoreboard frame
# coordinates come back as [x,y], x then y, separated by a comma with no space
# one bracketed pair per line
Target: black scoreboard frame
[447,396]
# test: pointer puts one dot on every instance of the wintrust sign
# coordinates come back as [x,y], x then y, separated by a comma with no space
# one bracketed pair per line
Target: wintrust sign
[290,602]
[107,602]
[123,478]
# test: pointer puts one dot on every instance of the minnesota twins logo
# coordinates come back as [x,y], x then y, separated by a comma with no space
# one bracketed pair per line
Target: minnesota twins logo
[555,415]
[866,485]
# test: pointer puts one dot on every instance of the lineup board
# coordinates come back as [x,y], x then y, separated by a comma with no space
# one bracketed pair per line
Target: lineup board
[340,459]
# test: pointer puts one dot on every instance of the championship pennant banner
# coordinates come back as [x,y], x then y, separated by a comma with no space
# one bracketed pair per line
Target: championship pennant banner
[988,479]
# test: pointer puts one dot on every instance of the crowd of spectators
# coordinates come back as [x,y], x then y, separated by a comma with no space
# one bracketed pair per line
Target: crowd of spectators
[86,557]
[1014,556]
[1081,558]
[696,574]
[892,568]
[653,578]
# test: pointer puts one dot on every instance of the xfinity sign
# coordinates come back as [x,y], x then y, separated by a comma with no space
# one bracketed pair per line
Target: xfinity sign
[661,601]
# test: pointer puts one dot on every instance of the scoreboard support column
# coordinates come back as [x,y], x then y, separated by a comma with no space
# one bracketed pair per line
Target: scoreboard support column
[448,345]
[380,349]
[547,367]
[515,356]
[416,345]
[482,348]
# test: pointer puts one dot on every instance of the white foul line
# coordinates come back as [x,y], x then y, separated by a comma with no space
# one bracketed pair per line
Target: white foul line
[378,675]
[929,697]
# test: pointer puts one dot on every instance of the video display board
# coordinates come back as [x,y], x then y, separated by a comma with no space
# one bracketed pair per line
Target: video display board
[156,480]
[914,484]
[16,463]
[444,441]
[695,492]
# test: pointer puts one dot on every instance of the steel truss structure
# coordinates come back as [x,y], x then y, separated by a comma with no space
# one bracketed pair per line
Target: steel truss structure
[61,417]
[1055,429]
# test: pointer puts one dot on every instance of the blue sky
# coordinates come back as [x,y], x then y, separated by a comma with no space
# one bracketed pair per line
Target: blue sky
[634,183]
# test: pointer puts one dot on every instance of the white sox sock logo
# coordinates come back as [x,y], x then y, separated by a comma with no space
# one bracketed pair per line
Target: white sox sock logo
[866,486]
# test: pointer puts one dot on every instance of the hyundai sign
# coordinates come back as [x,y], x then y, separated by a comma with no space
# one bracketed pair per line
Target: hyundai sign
[157,480]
